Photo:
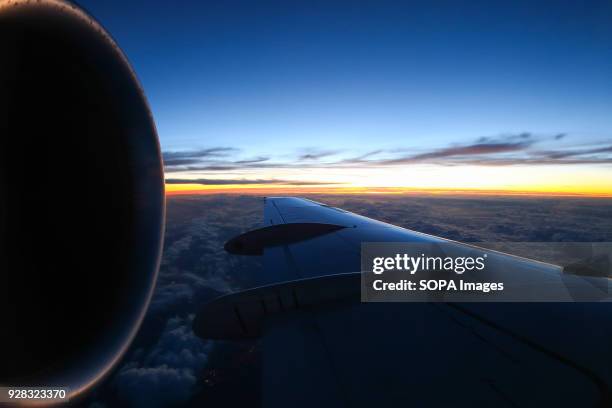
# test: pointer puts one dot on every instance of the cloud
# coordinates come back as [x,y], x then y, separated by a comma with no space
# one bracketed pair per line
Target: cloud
[171,295]
[211,152]
[362,158]
[180,162]
[167,376]
[530,161]
[313,154]
[505,138]
[577,152]
[499,150]
[230,182]
[505,150]
[561,156]
[251,161]
[178,347]
[465,151]
[154,386]
[176,160]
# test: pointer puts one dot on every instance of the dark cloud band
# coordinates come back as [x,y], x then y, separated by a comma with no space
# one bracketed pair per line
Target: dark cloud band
[241,182]
[503,150]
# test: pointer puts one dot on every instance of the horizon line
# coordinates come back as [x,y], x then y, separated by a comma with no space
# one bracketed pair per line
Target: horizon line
[271,191]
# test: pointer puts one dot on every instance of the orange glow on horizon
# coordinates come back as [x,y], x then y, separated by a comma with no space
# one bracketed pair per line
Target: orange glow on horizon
[262,189]
[589,181]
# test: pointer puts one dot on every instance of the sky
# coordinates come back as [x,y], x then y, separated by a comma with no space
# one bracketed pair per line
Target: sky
[373,96]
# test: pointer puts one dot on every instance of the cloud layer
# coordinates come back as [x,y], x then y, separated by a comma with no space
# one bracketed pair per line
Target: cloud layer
[503,150]
[240,182]
[167,374]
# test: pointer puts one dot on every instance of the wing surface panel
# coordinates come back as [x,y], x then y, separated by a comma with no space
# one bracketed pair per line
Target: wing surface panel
[351,354]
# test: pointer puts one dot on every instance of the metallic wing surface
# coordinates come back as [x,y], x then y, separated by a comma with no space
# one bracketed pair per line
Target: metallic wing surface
[323,347]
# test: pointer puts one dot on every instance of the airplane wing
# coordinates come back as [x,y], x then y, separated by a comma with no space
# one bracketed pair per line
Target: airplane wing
[323,347]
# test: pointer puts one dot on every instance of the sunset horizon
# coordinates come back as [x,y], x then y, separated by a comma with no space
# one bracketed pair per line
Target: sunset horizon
[196,189]
[378,96]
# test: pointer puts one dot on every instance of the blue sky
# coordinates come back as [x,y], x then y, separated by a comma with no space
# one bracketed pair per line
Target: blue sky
[279,80]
